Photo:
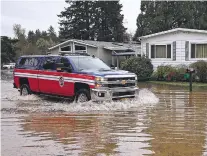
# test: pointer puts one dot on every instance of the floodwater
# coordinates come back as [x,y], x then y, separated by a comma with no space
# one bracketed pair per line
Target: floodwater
[163,121]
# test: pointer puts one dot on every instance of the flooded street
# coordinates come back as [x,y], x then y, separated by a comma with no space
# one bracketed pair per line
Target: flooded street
[163,121]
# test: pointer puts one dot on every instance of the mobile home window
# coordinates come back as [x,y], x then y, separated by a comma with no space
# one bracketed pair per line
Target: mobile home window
[66,48]
[79,48]
[161,51]
[199,50]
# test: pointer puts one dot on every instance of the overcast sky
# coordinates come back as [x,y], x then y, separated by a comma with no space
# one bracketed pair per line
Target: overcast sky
[35,14]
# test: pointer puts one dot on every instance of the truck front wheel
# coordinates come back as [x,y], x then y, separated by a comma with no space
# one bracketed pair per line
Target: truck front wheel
[25,90]
[83,95]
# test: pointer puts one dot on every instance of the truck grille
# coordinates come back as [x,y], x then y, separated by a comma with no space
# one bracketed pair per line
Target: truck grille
[117,82]
[124,78]
[121,85]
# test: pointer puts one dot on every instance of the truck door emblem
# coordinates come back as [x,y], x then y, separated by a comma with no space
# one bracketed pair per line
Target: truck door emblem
[61,81]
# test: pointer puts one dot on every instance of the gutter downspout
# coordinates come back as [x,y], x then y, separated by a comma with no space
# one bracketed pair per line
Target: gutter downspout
[117,59]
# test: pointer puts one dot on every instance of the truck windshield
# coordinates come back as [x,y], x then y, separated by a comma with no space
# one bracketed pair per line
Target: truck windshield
[85,63]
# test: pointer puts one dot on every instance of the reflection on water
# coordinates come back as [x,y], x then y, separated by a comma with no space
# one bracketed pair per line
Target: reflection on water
[176,126]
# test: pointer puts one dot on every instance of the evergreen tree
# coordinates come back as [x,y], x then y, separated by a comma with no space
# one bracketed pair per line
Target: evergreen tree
[109,21]
[76,20]
[31,37]
[37,34]
[8,49]
[92,20]
[44,35]
[159,16]
[52,34]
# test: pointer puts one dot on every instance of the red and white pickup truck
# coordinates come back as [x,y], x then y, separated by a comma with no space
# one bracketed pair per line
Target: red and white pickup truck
[81,78]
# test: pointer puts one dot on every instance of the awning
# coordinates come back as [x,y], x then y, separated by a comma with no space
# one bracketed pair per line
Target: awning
[127,52]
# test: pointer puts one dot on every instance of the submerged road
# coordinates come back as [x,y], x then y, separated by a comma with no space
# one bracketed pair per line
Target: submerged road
[163,121]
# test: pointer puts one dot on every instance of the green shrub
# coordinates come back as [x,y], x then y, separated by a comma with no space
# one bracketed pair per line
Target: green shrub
[201,70]
[154,76]
[165,72]
[139,65]
[180,72]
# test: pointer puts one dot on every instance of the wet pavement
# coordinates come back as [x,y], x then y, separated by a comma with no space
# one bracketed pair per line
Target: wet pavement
[163,121]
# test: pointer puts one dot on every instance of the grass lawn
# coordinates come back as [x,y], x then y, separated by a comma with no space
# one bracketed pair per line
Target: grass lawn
[185,84]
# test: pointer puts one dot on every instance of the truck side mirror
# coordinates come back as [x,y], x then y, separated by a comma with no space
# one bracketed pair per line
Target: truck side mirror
[61,67]
[112,66]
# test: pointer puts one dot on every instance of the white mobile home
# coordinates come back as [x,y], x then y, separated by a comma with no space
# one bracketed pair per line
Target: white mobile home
[174,47]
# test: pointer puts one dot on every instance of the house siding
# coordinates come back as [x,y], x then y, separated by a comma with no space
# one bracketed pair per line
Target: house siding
[54,51]
[180,38]
[92,51]
[105,55]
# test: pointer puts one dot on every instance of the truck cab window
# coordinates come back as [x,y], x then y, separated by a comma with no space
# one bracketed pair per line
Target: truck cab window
[49,64]
[66,65]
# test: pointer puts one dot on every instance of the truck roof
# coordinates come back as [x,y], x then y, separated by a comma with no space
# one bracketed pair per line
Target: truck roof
[38,55]
[66,55]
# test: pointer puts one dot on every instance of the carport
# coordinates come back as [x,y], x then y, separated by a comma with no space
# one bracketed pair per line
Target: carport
[119,54]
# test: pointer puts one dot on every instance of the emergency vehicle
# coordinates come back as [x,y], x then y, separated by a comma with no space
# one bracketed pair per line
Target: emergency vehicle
[80,77]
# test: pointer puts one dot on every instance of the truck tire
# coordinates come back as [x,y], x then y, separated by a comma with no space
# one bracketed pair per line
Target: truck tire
[25,90]
[82,95]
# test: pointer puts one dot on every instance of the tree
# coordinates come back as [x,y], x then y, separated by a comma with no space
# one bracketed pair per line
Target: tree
[7,49]
[34,42]
[19,32]
[37,34]
[109,21]
[44,35]
[92,20]
[159,16]
[76,20]
[31,37]
[42,45]
[22,41]
[52,34]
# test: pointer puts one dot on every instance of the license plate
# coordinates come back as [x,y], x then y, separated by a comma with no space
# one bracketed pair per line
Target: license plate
[124,99]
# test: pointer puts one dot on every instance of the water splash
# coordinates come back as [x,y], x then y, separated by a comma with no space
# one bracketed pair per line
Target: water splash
[35,103]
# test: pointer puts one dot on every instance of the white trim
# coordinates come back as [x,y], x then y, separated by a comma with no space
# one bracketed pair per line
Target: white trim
[119,76]
[80,51]
[65,51]
[82,42]
[86,49]
[85,44]
[55,78]
[195,42]
[174,30]
[164,44]
[73,47]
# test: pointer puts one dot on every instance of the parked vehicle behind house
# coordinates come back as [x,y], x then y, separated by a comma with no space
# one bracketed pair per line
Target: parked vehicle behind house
[82,78]
[9,66]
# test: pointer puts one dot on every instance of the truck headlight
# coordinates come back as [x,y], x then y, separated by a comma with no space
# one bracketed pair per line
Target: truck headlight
[99,79]
[136,77]
[98,85]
